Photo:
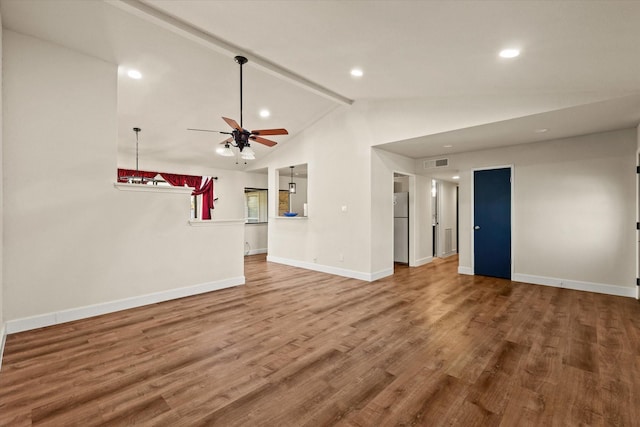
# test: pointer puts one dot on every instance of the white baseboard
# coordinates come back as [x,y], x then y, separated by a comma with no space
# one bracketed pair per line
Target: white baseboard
[381,274]
[448,254]
[49,319]
[256,251]
[599,288]
[369,277]
[422,261]
[3,339]
[465,270]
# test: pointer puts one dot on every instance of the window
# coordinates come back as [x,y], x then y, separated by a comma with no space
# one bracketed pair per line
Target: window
[255,205]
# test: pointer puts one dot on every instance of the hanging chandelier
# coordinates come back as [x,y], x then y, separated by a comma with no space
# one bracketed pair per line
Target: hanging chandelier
[136,178]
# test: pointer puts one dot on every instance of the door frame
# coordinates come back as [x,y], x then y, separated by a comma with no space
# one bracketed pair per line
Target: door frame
[511,219]
[412,216]
[438,210]
[638,217]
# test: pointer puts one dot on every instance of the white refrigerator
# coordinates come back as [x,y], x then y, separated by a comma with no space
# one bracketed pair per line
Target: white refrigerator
[401,227]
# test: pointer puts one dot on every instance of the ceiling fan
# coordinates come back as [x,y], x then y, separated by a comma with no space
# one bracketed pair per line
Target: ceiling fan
[240,137]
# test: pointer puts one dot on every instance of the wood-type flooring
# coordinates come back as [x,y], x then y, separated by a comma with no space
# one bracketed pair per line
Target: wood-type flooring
[300,348]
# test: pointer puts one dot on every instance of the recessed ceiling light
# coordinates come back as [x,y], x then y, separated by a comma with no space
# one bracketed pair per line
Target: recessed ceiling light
[265,113]
[134,74]
[509,53]
[356,72]
[448,146]
[541,130]
[455,177]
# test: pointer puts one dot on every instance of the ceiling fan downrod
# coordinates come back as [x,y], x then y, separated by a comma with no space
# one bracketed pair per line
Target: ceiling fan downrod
[241,60]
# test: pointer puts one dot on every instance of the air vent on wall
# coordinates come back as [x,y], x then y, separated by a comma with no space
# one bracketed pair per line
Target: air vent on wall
[436,163]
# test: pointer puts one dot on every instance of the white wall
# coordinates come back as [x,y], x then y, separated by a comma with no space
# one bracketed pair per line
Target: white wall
[344,171]
[2,320]
[256,238]
[338,155]
[71,239]
[574,204]
[383,166]
[422,238]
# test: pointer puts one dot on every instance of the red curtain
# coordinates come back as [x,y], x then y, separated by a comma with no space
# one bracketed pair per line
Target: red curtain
[180,180]
[207,197]
[176,180]
[193,181]
[173,179]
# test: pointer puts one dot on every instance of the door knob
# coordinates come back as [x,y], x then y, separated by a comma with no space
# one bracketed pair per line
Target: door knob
[477,227]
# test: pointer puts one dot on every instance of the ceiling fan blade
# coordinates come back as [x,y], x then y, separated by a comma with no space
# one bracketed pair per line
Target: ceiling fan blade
[209,130]
[264,141]
[270,132]
[232,123]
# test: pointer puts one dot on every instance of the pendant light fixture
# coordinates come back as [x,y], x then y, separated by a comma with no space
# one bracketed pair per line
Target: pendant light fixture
[135,178]
[137,130]
[292,185]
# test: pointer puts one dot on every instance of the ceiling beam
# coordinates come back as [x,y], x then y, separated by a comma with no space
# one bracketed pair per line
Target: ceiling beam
[210,41]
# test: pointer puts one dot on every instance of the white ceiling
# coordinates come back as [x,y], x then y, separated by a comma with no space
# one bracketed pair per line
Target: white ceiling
[301,52]
[618,113]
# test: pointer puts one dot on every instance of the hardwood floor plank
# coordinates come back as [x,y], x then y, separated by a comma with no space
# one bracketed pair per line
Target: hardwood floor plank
[296,347]
[494,388]
[581,355]
[579,401]
[422,398]
[526,408]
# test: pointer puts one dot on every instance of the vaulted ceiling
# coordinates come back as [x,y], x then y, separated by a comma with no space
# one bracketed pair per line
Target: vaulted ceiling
[579,61]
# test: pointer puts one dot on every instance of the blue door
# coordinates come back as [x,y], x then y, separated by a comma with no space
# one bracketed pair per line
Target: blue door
[492,222]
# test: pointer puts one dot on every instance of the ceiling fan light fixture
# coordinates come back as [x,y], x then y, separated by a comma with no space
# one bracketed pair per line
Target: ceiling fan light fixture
[225,151]
[248,156]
